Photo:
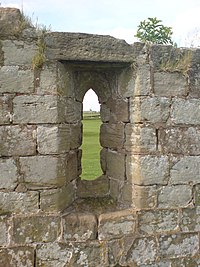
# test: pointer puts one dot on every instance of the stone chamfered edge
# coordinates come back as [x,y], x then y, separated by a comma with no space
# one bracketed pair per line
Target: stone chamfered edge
[89,47]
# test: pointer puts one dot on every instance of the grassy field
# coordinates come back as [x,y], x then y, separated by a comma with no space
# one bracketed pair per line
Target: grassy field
[91,148]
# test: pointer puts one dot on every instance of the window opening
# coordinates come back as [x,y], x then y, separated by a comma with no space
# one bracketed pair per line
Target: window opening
[90,162]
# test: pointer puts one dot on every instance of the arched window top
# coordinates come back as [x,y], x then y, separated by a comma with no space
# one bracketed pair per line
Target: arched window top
[90,101]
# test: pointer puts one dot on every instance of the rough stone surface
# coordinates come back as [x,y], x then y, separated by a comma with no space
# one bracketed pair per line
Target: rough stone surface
[8,174]
[145,197]
[5,109]
[190,220]
[115,165]
[4,230]
[112,135]
[79,227]
[118,110]
[143,81]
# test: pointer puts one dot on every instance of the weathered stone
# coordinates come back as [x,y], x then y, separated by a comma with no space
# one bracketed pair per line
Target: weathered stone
[180,140]
[105,113]
[19,202]
[181,107]
[5,109]
[197,195]
[126,195]
[186,262]
[17,256]
[179,245]
[96,188]
[115,251]
[29,229]
[79,227]
[140,139]
[115,165]
[143,81]
[170,84]
[145,197]
[15,80]
[190,220]
[18,53]
[147,170]
[174,196]
[65,81]
[8,174]
[116,224]
[112,135]
[185,170]
[103,160]
[36,109]
[52,200]
[53,139]
[115,186]
[142,251]
[17,140]
[126,81]
[154,110]
[48,80]
[43,171]
[69,111]
[157,221]
[4,226]
[119,111]
[75,135]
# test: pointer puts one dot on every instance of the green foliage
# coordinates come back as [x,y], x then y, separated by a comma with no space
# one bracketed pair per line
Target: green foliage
[153,32]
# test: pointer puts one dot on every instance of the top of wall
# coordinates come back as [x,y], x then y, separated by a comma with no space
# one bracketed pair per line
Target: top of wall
[68,46]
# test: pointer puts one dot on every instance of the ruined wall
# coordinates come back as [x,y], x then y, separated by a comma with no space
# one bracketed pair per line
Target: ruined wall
[144,209]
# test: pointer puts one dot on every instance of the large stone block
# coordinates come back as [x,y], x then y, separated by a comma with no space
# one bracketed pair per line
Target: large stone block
[180,140]
[174,196]
[5,109]
[119,111]
[8,174]
[19,202]
[48,80]
[170,84]
[4,231]
[36,109]
[17,256]
[69,110]
[158,221]
[75,135]
[115,165]
[53,200]
[29,229]
[186,111]
[190,220]
[18,53]
[145,197]
[79,227]
[140,139]
[143,80]
[112,135]
[116,224]
[126,81]
[105,113]
[147,170]
[16,80]
[185,170]
[17,140]
[151,109]
[179,245]
[43,171]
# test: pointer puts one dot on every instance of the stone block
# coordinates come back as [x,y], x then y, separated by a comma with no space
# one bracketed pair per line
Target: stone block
[19,202]
[4,226]
[126,195]
[43,171]
[174,196]
[16,80]
[103,159]
[95,188]
[30,229]
[48,80]
[53,200]
[53,139]
[180,140]
[17,140]
[140,139]
[145,197]
[18,53]
[115,186]
[179,245]
[8,174]
[65,80]
[112,135]
[197,195]
[17,256]
[185,111]
[5,109]
[150,109]
[158,221]
[116,224]
[75,135]
[143,251]
[170,84]
[143,80]
[115,165]
[147,170]
[119,109]
[190,220]
[126,81]
[79,227]
[185,170]
[105,113]
[69,111]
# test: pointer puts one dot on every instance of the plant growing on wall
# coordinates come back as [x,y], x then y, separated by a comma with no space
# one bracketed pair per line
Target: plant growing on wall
[152,31]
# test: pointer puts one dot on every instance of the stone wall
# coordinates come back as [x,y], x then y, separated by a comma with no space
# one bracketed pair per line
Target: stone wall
[144,209]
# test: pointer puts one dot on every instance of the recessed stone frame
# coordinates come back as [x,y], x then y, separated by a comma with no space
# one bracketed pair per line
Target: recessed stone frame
[108,81]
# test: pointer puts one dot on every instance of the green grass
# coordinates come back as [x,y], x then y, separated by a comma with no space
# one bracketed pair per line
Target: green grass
[91,168]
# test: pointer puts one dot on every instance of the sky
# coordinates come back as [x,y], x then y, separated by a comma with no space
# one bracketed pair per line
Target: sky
[118,18]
